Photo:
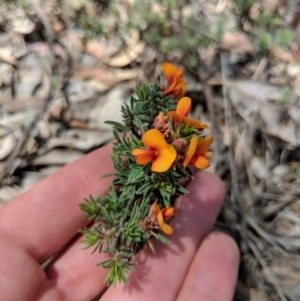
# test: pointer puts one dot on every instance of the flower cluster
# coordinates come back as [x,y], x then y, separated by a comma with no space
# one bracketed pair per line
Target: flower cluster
[175,139]
[154,148]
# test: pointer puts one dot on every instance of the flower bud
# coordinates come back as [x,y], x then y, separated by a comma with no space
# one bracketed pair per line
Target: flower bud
[180,144]
[161,122]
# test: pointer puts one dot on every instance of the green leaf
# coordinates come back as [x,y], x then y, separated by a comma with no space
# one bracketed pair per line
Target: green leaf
[106,175]
[144,188]
[92,237]
[162,239]
[123,277]
[116,135]
[136,174]
[118,126]
[107,216]
[181,190]
[91,207]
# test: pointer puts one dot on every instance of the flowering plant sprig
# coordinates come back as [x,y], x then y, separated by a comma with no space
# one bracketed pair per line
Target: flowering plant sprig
[154,147]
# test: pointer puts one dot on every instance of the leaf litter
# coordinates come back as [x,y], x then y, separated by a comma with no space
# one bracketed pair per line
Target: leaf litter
[59,83]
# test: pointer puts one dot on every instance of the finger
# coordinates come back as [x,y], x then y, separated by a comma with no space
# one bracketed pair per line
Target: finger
[213,272]
[20,274]
[74,275]
[47,216]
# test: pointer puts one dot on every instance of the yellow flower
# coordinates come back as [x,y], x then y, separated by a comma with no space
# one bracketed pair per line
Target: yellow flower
[162,215]
[183,109]
[159,152]
[176,85]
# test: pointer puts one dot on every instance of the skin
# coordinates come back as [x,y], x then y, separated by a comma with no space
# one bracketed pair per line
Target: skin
[197,265]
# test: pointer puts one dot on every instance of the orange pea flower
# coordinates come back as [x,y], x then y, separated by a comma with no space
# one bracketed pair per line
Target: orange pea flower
[183,109]
[176,85]
[201,155]
[159,152]
[191,151]
[162,215]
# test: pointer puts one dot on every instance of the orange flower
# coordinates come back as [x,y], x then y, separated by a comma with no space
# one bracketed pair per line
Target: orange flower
[168,212]
[191,151]
[183,109]
[159,152]
[176,86]
[201,155]
[162,215]
[184,106]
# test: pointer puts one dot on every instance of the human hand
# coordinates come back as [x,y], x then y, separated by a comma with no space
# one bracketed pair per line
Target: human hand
[197,265]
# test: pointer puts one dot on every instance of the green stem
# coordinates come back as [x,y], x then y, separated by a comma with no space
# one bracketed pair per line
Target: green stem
[121,224]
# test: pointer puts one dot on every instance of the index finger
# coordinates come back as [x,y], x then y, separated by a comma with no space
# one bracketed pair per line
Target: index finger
[46,217]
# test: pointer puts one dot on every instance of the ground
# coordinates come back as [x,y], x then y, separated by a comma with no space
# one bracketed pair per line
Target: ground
[67,66]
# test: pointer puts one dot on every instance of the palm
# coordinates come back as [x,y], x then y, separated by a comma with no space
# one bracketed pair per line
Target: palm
[196,266]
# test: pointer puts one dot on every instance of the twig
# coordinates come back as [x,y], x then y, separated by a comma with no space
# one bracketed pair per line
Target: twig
[228,118]
[8,168]
[272,277]
[267,237]
[261,66]
[121,224]
[44,19]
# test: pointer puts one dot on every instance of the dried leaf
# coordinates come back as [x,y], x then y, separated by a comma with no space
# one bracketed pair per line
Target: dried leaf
[7,193]
[108,76]
[21,25]
[290,279]
[21,103]
[30,179]
[11,121]
[125,57]
[134,47]
[7,144]
[109,108]
[283,55]
[79,139]
[74,45]
[255,295]
[57,157]
[227,139]
[44,129]
[6,55]
[43,49]
[258,168]
[237,41]
[256,103]
[6,71]
[79,124]
[95,49]
[87,140]
[29,76]
[80,91]
[49,170]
